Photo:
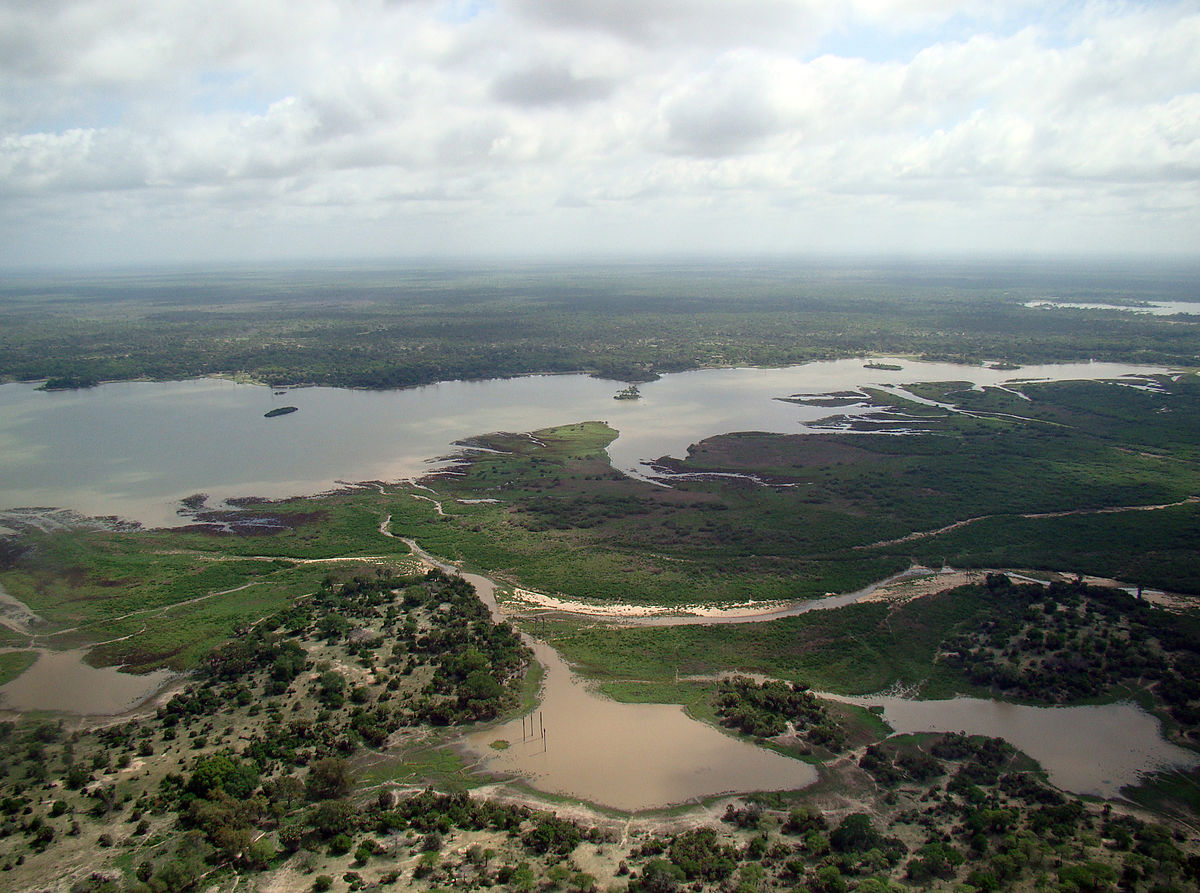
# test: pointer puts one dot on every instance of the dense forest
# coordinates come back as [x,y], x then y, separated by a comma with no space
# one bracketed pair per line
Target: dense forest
[399,328]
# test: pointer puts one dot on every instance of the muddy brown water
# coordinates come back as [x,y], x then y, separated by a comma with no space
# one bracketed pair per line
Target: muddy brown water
[630,757]
[60,681]
[1094,749]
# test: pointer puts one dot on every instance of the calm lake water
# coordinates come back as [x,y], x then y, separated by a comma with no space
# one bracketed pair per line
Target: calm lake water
[61,681]
[1153,308]
[134,449]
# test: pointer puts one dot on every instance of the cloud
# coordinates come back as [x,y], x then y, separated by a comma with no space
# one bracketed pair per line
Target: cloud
[706,22]
[679,118]
[549,85]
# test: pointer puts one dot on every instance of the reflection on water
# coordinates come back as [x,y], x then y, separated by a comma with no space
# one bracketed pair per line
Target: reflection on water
[135,448]
[1093,750]
[628,756]
[61,681]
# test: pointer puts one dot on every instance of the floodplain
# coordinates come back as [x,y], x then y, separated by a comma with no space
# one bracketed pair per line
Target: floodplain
[337,709]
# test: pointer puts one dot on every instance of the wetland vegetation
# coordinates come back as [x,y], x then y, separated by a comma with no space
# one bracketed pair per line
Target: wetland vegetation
[313,736]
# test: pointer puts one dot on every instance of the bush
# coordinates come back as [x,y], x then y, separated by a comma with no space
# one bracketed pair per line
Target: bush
[340,845]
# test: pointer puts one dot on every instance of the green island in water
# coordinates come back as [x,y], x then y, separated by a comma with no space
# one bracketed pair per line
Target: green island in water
[280,410]
[358,690]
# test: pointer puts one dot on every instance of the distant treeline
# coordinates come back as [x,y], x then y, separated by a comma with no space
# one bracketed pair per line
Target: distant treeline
[399,329]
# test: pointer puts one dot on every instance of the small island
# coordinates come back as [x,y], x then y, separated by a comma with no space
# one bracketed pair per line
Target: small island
[629,393]
[891,367]
[282,410]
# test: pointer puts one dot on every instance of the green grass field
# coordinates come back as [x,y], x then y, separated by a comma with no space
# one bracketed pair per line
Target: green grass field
[14,663]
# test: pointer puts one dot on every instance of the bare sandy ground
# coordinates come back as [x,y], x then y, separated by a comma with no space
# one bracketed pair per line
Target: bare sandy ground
[525,599]
[919,583]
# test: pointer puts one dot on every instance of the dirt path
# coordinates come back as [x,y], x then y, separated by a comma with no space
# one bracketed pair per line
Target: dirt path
[1107,510]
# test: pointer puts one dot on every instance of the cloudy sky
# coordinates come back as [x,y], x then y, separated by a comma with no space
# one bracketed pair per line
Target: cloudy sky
[195,130]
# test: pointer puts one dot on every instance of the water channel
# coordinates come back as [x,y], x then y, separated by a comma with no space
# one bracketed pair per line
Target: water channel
[1096,750]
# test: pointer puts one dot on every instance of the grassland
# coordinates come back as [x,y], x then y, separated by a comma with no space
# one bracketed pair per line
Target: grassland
[14,663]
[854,650]
[1059,487]
[149,599]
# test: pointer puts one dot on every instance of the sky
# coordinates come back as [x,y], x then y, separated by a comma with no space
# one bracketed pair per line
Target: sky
[195,131]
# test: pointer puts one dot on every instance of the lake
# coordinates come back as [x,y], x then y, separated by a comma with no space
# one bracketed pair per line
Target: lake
[631,757]
[135,449]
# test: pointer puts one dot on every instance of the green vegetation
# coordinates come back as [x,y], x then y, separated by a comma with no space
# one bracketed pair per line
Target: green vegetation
[259,756]
[855,650]
[280,410]
[14,663]
[1066,643]
[397,328]
[1062,643]
[328,674]
[1056,486]
[169,596]
[768,709]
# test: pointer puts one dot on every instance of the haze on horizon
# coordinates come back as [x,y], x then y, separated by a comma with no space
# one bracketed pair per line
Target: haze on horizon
[188,132]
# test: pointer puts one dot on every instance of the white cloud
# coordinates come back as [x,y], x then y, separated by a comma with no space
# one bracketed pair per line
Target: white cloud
[679,117]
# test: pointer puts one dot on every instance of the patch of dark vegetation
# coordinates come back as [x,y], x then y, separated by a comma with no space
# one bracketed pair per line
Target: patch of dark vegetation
[772,708]
[194,503]
[249,520]
[13,550]
[1068,642]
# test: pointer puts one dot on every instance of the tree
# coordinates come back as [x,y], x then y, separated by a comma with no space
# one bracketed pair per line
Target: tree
[855,834]
[329,779]
[659,876]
